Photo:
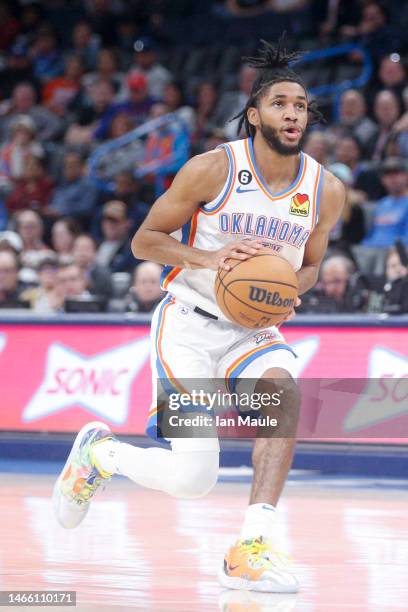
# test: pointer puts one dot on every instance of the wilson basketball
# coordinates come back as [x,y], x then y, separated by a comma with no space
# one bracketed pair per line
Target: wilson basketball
[257,292]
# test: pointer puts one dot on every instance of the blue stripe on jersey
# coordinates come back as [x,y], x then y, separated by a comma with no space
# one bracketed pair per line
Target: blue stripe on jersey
[151,427]
[227,188]
[260,177]
[232,379]
[319,193]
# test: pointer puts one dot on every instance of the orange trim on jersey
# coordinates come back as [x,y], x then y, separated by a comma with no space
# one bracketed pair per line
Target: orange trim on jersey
[314,209]
[242,358]
[226,197]
[259,181]
[175,271]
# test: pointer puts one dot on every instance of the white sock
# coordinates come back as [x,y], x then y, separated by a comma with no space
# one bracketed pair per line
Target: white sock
[183,473]
[259,521]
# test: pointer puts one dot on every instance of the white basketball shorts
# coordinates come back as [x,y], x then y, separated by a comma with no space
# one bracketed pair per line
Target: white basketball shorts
[188,345]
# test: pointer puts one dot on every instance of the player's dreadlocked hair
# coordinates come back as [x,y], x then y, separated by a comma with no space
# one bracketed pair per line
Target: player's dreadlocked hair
[272,64]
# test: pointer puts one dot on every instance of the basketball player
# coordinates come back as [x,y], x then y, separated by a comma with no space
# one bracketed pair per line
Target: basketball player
[262,190]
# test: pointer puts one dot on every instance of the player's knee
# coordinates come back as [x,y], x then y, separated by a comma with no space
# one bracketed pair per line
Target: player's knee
[284,404]
[196,475]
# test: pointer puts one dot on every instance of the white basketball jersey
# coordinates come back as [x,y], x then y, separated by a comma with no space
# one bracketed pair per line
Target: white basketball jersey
[246,208]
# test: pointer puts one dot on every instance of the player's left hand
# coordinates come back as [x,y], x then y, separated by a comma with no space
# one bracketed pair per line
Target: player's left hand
[292,313]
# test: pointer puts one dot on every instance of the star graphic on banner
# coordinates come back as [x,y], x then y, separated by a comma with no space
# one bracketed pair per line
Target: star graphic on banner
[99,383]
[3,340]
[386,394]
[305,350]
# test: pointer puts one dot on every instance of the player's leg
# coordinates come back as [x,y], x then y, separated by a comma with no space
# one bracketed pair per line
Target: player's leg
[188,470]
[252,563]
[274,448]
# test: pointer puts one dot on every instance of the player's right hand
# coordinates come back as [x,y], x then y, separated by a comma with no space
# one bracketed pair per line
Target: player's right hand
[238,249]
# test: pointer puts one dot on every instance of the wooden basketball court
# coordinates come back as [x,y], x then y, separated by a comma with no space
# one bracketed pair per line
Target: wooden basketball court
[142,550]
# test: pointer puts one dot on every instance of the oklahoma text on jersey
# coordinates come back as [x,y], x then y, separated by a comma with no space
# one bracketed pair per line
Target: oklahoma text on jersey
[247,208]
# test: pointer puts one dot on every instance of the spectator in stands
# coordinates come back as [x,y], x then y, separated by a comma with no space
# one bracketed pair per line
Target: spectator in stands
[391,213]
[145,60]
[353,118]
[70,283]
[58,92]
[145,292]
[335,278]
[30,227]
[107,69]
[127,32]
[232,102]
[21,146]
[350,228]
[348,151]
[374,31]
[23,102]
[76,196]
[338,289]
[365,177]
[46,59]
[10,287]
[114,252]
[34,189]
[137,107]
[317,145]
[44,298]
[85,44]
[391,75]
[98,102]
[63,234]
[205,108]
[174,99]
[127,189]
[396,286]
[386,111]
[98,278]
[121,124]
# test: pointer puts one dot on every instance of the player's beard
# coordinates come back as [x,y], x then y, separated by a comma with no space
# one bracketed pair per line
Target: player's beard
[271,137]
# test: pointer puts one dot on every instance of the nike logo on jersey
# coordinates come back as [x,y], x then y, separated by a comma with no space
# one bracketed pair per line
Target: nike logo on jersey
[240,190]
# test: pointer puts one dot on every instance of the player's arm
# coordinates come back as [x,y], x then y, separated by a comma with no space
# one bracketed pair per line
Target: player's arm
[331,204]
[200,180]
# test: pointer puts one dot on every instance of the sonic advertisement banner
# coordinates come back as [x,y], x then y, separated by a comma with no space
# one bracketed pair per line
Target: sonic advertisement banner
[57,377]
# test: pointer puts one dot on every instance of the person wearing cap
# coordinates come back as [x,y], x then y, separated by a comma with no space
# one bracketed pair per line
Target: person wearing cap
[43,298]
[391,213]
[127,189]
[137,106]
[114,251]
[145,60]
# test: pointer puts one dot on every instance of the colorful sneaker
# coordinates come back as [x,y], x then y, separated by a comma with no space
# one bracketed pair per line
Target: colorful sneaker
[81,476]
[253,565]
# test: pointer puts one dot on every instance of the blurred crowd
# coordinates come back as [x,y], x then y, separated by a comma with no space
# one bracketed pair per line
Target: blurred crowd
[75,75]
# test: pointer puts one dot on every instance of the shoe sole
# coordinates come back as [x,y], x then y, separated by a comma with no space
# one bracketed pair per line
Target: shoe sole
[262,586]
[68,513]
